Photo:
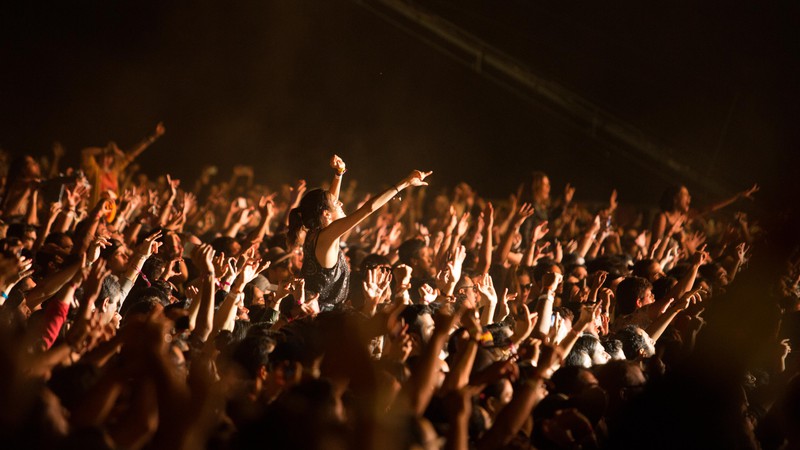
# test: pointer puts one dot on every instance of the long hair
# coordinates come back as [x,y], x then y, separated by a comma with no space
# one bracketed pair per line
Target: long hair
[667,201]
[309,214]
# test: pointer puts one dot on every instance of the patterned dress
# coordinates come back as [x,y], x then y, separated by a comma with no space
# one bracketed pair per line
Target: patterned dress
[332,284]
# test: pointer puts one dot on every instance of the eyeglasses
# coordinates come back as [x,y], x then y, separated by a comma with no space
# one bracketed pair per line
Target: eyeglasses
[527,286]
[464,289]
[384,269]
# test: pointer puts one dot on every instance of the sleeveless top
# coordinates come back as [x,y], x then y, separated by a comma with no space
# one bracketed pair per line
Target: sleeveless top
[332,284]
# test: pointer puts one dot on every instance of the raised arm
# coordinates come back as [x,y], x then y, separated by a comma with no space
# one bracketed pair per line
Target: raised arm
[524,211]
[485,256]
[328,241]
[338,165]
[747,193]
[146,142]
[686,283]
[656,329]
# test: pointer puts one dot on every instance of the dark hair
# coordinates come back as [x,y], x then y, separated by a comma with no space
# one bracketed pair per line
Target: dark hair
[55,237]
[612,346]
[110,289]
[410,249]
[567,381]
[662,286]
[586,344]
[709,271]
[411,316]
[373,260]
[308,214]
[18,230]
[667,201]
[641,267]
[252,353]
[632,341]
[629,290]
[113,246]
[223,244]
[545,265]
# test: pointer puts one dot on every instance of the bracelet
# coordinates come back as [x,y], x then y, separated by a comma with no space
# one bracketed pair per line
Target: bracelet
[396,189]
[4,295]
[340,172]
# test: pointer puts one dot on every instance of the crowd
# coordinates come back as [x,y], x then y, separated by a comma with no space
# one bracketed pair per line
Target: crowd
[225,314]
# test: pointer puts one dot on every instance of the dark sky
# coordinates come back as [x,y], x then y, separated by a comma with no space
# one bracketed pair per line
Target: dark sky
[284,84]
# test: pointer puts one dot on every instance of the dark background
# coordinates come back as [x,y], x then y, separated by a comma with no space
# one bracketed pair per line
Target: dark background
[283,84]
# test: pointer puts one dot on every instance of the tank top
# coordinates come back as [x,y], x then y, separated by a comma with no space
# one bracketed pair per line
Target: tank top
[332,284]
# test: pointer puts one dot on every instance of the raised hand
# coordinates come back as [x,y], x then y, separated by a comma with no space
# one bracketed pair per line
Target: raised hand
[551,280]
[13,270]
[741,252]
[297,192]
[95,247]
[486,287]
[95,278]
[244,216]
[457,262]
[523,322]
[463,225]
[222,266]
[569,192]
[149,245]
[267,205]
[203,257]
[417,178]
[58,150]
[427,293]
[540,231]
[172,185]
[597,279]
[75,194]
[524,211]
[700,257]
[748,193]
[612,201]
[338,165]
[690,298]
[402,274]
[375,285]
[189,202]
[251,269]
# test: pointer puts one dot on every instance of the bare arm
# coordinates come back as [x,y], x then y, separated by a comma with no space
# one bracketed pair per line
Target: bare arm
[146,142]
[328,241]
[485,257]
[513,416]
[338,165]
[166,208]
[686,283]
[420,387]
[204,256]
[747,193]
[525,211]
[544,307]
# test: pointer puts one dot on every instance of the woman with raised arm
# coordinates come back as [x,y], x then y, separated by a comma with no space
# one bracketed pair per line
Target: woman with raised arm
[675,205]
[320,213]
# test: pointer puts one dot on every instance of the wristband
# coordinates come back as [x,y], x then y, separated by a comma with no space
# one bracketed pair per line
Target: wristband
[4,295]
[396,189]
[340,172]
